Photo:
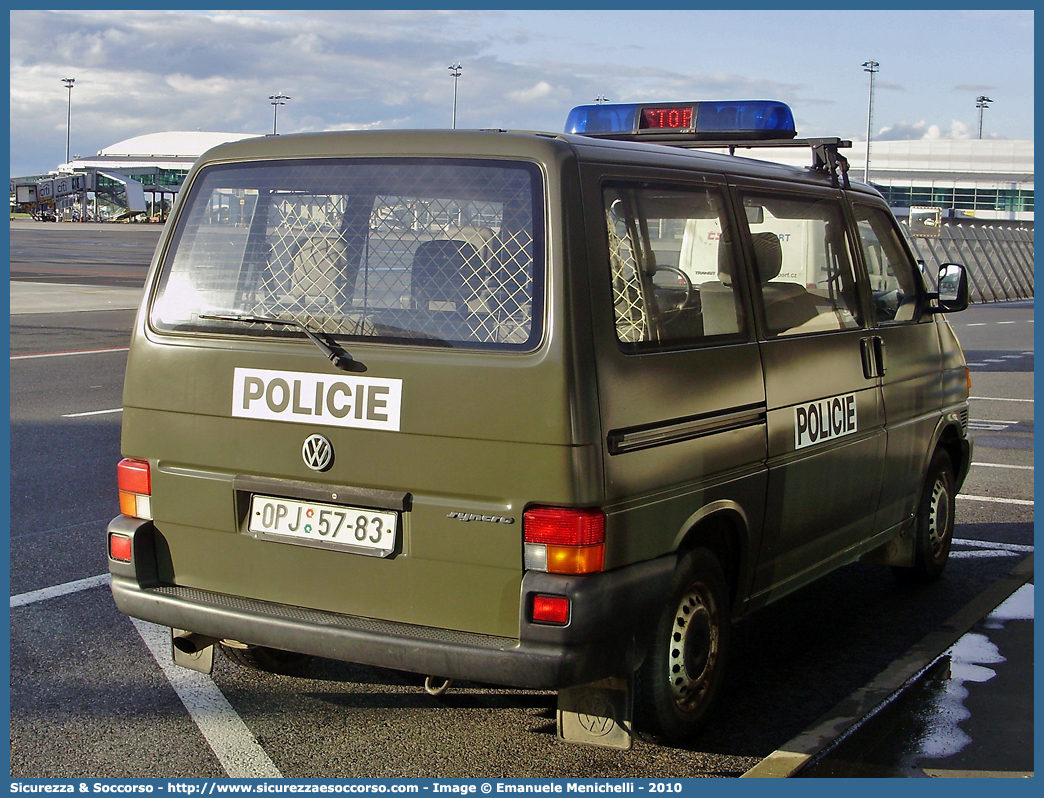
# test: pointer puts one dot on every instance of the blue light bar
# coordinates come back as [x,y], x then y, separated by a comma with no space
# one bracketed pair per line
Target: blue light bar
[588,120]
[745,119]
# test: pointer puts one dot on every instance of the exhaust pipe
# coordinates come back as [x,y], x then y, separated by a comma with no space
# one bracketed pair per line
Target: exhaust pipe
[192,643]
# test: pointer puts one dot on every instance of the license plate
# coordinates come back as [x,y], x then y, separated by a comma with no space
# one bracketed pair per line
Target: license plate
[324,525]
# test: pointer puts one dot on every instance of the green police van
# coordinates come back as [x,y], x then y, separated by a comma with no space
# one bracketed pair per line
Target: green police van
[531,409]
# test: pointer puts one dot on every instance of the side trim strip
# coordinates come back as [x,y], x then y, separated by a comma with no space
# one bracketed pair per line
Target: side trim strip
[677,430]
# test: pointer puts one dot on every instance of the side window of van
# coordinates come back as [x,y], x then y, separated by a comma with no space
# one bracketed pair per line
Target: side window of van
[803,271]
[671,263]
[894,279]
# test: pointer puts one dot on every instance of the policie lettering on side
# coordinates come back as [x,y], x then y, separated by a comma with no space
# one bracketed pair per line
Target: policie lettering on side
[824,419]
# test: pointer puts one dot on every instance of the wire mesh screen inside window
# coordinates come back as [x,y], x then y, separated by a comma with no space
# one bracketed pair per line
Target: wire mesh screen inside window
[671,267]
[418,251]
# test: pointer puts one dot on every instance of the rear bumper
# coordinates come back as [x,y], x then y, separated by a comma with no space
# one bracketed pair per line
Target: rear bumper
[612,618]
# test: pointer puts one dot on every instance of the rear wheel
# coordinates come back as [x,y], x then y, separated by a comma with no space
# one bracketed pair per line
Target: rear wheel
[682,674]
[261,658]
[934,532]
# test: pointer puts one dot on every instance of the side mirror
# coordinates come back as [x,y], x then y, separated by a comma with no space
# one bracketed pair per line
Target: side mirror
[953,288]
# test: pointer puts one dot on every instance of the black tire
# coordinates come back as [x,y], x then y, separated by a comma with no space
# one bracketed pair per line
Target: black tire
[682,674]
[260,658]
[933,535]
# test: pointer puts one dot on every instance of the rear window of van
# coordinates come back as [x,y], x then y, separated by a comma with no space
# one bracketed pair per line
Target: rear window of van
[431,252]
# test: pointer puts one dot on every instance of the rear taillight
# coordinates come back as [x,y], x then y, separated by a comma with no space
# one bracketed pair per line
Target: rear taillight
[564,541]
[135,483]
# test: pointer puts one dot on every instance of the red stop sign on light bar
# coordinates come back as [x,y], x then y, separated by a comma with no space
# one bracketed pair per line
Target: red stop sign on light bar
[667,118]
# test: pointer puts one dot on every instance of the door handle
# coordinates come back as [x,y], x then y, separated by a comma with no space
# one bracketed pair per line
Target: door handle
[872,351]
[879,355]
[869,357]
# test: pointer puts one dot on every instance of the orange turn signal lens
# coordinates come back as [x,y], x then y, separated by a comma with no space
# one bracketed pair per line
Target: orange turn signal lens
[575,559]
[128,503]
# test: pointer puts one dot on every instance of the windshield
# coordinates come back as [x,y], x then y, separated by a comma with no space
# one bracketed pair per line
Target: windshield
[420,251]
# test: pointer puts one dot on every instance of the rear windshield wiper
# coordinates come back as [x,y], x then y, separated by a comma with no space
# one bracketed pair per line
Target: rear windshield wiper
[334,353]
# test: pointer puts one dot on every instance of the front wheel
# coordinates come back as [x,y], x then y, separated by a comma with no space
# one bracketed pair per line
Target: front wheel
[682,674]
[934,532]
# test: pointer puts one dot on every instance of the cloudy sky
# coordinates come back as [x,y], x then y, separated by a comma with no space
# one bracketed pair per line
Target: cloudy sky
[141,72]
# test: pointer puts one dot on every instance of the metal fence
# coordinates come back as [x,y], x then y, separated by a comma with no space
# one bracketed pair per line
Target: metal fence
[998,259]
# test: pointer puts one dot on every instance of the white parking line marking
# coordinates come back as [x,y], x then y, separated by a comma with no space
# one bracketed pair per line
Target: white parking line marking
[986,544]
[232,742]
[228,736]
[92,413]
[992,421]
[1002,465]
[985,549]
[67,354]
[997,500]
[980,554]
[949,773]
[43,594]
[998,399]
[976,324]
[1007,322]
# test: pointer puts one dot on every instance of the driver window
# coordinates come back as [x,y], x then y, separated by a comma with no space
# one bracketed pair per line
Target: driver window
[671,263]
[894,278]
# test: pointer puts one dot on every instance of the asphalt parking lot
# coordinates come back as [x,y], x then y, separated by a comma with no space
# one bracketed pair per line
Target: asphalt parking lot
[92,693]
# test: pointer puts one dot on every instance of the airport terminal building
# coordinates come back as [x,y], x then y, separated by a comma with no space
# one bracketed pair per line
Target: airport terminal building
[138,176]
[985,179]
[969,179]
[983,190]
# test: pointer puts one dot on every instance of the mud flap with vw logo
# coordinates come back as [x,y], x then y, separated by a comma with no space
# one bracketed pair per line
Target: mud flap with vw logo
[599,714]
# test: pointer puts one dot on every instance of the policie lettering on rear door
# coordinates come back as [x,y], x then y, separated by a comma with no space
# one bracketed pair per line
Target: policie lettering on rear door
[306,398]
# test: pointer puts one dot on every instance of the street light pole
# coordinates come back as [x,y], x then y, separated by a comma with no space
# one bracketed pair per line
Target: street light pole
[982,102]
[455,71]
[68,120]
[277,100]
[871,67]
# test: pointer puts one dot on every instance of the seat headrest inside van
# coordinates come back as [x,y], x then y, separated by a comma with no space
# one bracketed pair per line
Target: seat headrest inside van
[768,255]
[725,258]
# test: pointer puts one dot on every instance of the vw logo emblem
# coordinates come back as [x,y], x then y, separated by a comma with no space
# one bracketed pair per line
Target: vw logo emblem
[317,453]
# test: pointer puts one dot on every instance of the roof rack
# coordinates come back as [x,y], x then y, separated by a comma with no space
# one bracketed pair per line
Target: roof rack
[825,156]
